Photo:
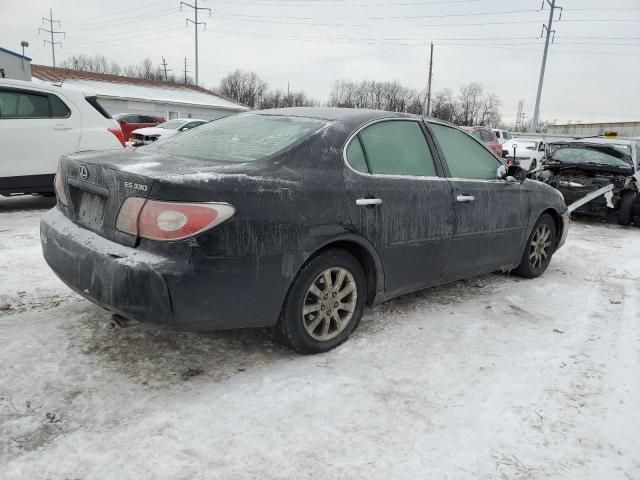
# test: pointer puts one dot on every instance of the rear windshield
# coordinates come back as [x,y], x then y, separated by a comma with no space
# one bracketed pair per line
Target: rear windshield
[239,138]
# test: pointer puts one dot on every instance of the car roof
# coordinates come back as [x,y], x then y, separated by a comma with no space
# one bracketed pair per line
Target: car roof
[339,113]
[43,87]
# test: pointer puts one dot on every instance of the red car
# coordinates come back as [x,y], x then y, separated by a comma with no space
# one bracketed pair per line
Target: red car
[132,121]
[486,136]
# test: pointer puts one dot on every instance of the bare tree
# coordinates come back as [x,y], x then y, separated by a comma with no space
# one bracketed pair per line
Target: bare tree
[390,96]
[472,106]
[280,99]
[244,87]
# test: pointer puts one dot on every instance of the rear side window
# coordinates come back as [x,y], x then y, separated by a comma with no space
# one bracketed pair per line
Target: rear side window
[240,138]
[397,148]
[355,156]
[58,107]
[464,156]
[23,104]
[146,119]
[93,101]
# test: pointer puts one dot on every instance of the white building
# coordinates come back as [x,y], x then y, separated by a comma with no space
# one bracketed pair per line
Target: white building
[14,66]
[118,94]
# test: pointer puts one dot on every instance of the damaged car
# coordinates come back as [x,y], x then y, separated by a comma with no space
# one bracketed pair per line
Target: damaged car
[293,219]
[579,167]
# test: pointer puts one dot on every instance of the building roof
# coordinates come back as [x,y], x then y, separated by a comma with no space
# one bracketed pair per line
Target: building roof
[14,53]
[117,86]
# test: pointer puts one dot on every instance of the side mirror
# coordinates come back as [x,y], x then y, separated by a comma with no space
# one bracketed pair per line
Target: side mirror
[512,173]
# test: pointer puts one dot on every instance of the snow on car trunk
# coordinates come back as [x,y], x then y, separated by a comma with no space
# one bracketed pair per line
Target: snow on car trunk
[97,186]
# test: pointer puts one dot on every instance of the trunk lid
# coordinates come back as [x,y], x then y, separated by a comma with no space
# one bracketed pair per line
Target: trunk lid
[97,183]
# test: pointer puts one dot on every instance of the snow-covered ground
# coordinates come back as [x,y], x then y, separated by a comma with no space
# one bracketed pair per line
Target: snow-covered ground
[495,377]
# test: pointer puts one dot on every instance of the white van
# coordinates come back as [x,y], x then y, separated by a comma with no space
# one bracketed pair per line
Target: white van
[39,123]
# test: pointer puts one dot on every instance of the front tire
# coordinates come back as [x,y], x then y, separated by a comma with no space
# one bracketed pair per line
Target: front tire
[539,249]
[625,206]
[324,305]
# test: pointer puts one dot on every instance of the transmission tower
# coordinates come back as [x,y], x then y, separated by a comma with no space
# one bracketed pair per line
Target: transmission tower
[53,32]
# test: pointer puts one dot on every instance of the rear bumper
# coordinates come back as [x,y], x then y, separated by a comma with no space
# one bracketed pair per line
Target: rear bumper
[186,292]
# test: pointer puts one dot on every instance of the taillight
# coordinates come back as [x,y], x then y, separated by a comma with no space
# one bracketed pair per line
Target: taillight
[118,133]
[58,187]
[157,220]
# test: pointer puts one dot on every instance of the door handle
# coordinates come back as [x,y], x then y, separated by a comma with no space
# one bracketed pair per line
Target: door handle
[465,198]
[62,127]
[364,202]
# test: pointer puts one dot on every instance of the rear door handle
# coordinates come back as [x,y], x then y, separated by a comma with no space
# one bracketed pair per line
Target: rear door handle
[465,198]
[363,202]
[62,127]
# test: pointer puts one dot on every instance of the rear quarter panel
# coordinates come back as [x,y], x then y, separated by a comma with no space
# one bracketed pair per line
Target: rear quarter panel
[286,209]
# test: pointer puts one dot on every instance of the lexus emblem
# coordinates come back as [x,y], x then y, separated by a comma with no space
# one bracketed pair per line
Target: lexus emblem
[84,174]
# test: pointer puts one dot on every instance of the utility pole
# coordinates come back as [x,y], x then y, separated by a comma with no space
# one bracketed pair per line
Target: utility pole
[195,22]
[164,65]
[520,114]
[24,44]
[536,111]
[52,32]
[427,105]
[185,70]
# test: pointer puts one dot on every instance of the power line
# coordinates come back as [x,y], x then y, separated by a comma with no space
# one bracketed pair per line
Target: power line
[386,17]
[195,22]
[52,32]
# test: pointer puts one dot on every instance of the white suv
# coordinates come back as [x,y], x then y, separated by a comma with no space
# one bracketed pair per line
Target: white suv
[39,123]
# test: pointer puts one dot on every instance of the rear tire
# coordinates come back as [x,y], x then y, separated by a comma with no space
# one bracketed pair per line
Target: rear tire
[539,249]
[625,212]
[324,305]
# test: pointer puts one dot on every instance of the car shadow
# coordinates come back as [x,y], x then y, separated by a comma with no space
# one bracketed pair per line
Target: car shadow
[26,202]
[158,357]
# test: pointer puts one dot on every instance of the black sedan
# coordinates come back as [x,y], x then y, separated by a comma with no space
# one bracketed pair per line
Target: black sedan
[293,218]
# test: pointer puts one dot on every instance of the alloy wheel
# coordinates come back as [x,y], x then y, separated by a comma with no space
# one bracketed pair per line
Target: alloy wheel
[329,303]
[540,246]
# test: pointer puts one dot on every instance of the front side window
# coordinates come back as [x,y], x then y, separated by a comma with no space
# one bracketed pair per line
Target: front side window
[464,156]
[397,148]
[239,138]
[19,104]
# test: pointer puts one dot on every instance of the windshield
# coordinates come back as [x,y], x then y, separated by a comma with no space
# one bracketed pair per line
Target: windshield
[587,156]
[172,124]
[239,138]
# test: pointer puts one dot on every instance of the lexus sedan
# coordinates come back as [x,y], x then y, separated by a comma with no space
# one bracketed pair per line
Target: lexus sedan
[293,219]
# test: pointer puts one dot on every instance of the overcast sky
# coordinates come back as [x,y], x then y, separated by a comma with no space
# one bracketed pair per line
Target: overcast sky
[593,71]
